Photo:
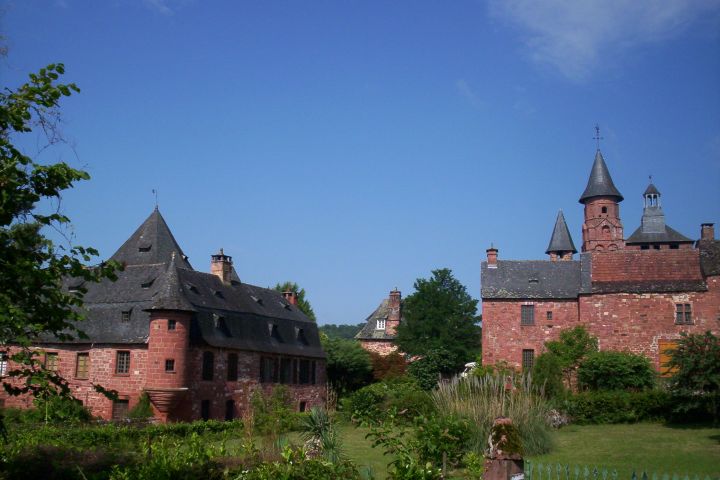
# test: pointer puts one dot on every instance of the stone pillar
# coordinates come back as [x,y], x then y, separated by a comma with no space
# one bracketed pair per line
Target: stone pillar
[504,460]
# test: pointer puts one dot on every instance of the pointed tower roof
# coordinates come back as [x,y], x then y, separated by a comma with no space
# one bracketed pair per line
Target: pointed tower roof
[651,190]
[170,294]
[152,243]
[600,183]
[561,241]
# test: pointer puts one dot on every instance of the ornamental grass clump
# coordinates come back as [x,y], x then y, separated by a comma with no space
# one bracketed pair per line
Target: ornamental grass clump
[483,399]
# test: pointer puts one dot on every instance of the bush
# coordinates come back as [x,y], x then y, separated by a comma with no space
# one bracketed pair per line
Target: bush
[56,409]
[429,369]
[372,403]
[142,410]
[501,368]
[619,406]
[274,413]
[442,438]
[348,364]
[385,367]
[482,400]
[611,370]
[295,466]
[548,375]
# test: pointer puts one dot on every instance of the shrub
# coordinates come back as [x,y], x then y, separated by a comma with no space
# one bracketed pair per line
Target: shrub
[482,400]
[619,406]
[372,403]
[611,370]
[573,346]
[319,432]
[548,375]
[142,410]
[57,409]
[294,465]
[274,413]
[385,367]
[501,368]
[431,367]
[442,439]
[348,364]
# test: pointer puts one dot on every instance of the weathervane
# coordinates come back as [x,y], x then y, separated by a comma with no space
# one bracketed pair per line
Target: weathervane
[597,136]
[156,198]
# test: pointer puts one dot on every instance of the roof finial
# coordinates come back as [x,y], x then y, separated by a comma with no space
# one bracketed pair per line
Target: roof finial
[154,191]
[650,177]
[597,136]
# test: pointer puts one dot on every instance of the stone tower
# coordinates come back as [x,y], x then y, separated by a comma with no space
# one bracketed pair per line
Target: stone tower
[602,228]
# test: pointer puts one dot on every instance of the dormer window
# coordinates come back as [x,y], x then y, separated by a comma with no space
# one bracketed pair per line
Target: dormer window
[193,288]
[301,336]
[257,300]
[221,325]
[125,316]
[218,294]
[75,288]
[274,332]
[144,248]
[147,284]
[380,324]
[533,281]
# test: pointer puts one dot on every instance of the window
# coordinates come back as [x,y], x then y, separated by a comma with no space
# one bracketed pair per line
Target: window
[674,246]
[380,324]
[208,365]
[3,364]
[683,314]
[527,314]
[302,407]
[528,359]
[549,316]
[171,324]
[144,248]
[644,247]
[268,370]
[656,247]
[120,409]
[286,373]
[302,339]
[232,367]
[229,410]
[604,209]
[205,409]
[169,365]
[51,361]
[122,362]
[125,316]
[304,372]
[82,365]
[275,333]
[312,372]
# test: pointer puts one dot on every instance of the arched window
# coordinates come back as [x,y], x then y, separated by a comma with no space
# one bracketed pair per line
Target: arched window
[604,209]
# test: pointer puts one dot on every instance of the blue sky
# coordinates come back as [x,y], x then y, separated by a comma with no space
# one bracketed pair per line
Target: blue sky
[354,146]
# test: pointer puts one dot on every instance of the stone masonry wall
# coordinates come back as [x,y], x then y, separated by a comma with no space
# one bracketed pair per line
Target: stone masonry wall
[381,347]
[644,265]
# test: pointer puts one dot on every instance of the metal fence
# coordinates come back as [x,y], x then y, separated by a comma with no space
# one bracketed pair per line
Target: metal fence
[540,471]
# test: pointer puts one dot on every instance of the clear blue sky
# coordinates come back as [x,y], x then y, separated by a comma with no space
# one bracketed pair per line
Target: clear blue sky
[353,146]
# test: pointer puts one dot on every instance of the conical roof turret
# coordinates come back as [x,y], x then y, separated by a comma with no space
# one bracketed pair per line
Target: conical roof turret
[170,294]
[561,241]
[600,183]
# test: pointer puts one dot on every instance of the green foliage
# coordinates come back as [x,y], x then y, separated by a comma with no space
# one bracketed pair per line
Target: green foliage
[32,300]
[294,465]
[428,369]
[385,367]
[695,383]
[303,304]
[142,410]
[571,349]
[611,370]
[548,375]
[442,439]
[348,364]
[274,413]
[501,368]
[347,332]
[57,409]
[319,432]
[616,406]
[482,400]
[371,404]
[440,315]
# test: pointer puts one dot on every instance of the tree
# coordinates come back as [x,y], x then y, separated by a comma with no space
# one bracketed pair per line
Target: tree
[612,370]
[571,349]
[302,304]
[32,266]
[348,364]
[341,331]
[440,315]
[695,382]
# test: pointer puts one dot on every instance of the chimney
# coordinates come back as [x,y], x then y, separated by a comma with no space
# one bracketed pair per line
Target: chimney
[291,297]
[707,231]
[393,318]
[221,265]
[492,254]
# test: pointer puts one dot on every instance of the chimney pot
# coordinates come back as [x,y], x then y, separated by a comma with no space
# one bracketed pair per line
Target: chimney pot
[492,254]
[221,266]
[707,231]
[291,297]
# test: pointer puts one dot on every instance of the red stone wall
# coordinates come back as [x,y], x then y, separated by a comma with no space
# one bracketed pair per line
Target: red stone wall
[503,338]
[644,265]
[602,231]
[101,371]
[381,347]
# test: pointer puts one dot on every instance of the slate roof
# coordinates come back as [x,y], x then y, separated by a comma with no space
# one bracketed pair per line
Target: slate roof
[651,189]
[369,332]
[600,183]
[166,281]
[709,257]
[669,235]
[540,279]
[561,241]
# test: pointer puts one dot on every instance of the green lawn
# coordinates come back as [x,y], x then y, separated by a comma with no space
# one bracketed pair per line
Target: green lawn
[644,446]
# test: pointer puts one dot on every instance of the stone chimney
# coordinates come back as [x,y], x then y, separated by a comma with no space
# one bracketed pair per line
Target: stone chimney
[291,297]
[707,231]
[222,266]
[393,318]
[492,254]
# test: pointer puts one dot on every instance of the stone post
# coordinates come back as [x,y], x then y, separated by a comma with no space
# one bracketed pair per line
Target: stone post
[504,460]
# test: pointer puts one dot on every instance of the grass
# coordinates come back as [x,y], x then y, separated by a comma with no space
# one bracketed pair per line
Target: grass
[644,446]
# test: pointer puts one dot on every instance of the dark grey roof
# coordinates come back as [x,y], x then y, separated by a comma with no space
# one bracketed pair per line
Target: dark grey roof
[709,257]
[561,241]
[531,279]
[370,331]
[651,189]
[650,286]
[170,294]
[600,183]
[669,235]
[152,242]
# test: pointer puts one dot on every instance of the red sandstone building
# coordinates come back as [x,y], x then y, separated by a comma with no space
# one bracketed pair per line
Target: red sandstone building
[199,344]
[636,293]
[380,329]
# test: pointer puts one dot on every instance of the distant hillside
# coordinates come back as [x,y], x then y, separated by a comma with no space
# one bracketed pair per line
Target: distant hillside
[340,331]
